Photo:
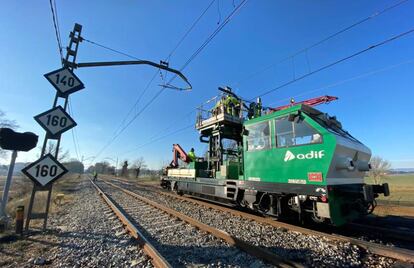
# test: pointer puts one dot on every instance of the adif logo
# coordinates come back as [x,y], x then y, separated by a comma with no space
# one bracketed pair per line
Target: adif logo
[289,156]
[311,155]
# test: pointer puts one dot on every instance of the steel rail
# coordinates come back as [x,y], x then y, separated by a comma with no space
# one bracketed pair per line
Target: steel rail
[156,258]
[255,251]
[401,254]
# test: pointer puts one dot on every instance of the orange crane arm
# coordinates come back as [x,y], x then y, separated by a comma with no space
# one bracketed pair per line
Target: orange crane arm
[179,152]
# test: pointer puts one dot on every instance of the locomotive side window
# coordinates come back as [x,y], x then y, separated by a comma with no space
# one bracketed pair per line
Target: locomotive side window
[259,136]
[284,132]
[295,133]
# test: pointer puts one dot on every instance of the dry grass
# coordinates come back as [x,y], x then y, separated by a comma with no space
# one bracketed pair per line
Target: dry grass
[401,189]
[21,190]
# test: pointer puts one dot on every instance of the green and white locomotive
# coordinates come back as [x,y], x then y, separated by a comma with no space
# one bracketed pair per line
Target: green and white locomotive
[294,161]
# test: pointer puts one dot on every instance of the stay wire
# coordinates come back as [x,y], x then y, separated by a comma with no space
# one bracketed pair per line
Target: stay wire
[329,37]
[336,62]
[111,49]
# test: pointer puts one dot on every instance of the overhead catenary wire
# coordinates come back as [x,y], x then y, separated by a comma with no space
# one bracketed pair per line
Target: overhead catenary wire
[347,80]
[213,34]
[120,129]
[74,138]
[55,25]
[158,93]
[155,138]
[189,30]
[332,36]
[323,40]
[336,62]
[155,74]
[205,43]
[157,135]
[159,138]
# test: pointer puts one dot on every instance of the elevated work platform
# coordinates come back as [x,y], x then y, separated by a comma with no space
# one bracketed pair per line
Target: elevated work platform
[219,119]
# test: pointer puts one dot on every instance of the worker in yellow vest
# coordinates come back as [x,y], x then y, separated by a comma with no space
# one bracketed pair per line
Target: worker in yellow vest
[232,105]
[191,155]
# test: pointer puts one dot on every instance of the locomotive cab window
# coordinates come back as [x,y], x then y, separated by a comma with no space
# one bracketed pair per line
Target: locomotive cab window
[295,133]
[258,137]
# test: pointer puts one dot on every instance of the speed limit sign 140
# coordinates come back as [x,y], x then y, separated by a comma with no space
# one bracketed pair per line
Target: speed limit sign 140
[45,170]
[55,121]
[65,81]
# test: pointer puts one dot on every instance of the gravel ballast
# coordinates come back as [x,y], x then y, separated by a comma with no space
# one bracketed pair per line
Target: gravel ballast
[83,234]
[181,244]
[310,250]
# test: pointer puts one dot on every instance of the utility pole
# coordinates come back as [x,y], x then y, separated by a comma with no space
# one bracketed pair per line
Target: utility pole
[61,81]
[55,121]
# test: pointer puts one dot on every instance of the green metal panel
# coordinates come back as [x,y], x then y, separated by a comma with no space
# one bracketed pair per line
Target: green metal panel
[270,165]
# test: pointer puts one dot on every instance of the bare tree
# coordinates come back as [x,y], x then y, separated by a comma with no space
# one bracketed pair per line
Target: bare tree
[4,122]
[51,149]
[138,165]
[104,168]
[379,168]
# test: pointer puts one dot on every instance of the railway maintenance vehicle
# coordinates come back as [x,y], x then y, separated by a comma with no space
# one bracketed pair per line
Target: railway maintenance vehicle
[292,161]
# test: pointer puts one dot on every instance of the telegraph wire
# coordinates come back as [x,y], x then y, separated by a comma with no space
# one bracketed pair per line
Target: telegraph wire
[54,16]
[361,21]
[336,62]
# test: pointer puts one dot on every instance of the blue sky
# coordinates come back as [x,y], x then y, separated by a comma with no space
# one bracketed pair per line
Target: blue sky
[375,89]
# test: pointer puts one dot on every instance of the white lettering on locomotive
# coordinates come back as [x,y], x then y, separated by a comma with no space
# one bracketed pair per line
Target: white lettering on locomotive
[311,155]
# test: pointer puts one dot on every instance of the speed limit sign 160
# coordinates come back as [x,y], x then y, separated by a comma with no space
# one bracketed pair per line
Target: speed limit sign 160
[45,170]
[55,121]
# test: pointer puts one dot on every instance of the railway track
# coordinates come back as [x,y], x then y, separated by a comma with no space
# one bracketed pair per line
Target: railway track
[156,258]
[400,254]
[197,243]
[394,233]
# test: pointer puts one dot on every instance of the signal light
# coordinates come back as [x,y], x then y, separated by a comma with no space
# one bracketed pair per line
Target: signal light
[15,141]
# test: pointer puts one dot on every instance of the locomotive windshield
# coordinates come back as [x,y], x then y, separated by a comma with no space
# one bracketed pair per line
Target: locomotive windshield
[331,124]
